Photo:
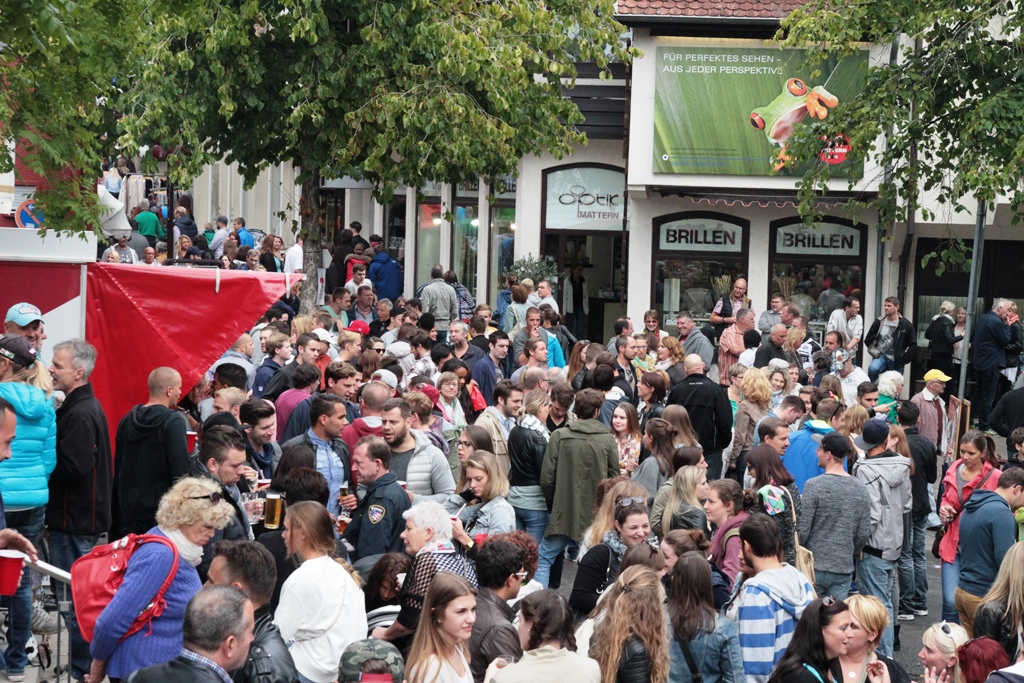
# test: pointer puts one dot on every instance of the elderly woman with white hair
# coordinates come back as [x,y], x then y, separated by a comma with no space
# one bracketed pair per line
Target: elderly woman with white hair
[186,520]
[428,538]
[890,386]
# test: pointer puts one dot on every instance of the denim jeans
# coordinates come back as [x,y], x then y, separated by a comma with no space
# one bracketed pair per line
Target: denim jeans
[28,523]
[950,579]
[914,568]
[879,365]
[877,577]
[835,584]
[533,522]
[550,548]
[64,550]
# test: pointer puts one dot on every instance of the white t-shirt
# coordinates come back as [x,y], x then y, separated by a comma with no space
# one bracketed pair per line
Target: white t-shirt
[293,259]
[352,287]
[318,624]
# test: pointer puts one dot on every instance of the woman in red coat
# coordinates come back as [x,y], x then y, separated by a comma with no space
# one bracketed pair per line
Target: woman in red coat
[977,467]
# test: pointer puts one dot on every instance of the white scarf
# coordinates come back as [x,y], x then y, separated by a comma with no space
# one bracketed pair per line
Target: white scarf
[187,550]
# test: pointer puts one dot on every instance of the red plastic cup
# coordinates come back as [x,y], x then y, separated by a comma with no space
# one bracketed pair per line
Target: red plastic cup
[190,440]
[403,484]
[11,562]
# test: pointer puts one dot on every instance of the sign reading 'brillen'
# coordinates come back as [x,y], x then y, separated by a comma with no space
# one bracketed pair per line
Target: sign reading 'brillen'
[701,234]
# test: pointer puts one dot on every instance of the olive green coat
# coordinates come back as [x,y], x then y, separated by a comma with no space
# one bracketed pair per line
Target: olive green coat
[579,456]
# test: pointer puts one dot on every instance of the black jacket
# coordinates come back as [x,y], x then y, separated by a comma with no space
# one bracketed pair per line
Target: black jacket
[377,522]
[237,528]
[178,670]
[269,660]
[526,452]
[151,454]
[1007,415]
[709,409]
[925,471]
[768,352]
[81,485]
[990,621]
[339,446]
[940,335]
[282,381]
[635,665]
[595,572]
[904,341]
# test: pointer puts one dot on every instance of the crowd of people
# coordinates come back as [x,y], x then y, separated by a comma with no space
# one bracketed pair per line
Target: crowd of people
[392,486]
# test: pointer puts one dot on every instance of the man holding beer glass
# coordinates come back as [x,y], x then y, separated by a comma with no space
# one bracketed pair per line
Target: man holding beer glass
[377,523]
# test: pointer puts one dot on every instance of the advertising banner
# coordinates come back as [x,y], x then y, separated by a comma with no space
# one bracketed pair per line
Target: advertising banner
[584,198]
[724,107]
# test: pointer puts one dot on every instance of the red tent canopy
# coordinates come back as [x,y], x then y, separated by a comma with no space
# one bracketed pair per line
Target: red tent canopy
[141,318]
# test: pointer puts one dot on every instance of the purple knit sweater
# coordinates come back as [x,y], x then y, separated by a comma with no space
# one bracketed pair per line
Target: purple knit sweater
[146,572]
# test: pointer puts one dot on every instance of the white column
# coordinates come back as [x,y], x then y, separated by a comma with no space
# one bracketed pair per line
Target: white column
[483,245]
[411,227]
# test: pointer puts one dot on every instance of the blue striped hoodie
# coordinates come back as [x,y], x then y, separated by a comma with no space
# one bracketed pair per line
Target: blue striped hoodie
[770,604]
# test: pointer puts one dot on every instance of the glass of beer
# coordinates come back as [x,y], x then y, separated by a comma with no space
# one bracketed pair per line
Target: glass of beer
[342,495]
[272,511]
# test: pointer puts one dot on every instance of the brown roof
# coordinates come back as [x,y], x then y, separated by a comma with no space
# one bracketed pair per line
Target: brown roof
[733,9]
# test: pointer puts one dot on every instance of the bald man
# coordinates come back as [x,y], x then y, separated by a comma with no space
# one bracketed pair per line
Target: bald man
[709,409]
[151,453]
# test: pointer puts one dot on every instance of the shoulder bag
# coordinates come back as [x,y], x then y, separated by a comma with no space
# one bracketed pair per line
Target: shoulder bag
[804,557]
[695,672]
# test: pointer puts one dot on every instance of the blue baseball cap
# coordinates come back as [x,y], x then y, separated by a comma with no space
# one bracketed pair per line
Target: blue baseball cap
[23,314]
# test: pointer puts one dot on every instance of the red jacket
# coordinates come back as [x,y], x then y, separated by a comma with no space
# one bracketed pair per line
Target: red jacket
[951,541]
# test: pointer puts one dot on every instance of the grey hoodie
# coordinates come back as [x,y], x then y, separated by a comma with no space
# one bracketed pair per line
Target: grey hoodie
[403,352]
[887,477]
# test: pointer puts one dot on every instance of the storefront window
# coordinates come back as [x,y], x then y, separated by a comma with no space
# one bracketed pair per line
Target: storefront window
[815,269]
[395,232]
[333,204]
[464,247]
[503,242]
[429,216]
[698,256]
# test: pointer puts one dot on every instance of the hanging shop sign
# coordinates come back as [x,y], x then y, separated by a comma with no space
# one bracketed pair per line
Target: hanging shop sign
[584,198]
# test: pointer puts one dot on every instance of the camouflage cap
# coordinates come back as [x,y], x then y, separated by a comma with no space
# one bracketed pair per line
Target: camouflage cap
[357,653]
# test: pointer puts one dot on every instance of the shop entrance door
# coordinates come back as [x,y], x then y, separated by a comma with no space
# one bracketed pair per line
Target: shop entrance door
[600,254]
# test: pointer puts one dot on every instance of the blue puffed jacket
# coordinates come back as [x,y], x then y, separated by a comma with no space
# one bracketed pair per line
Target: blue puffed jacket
[24,477]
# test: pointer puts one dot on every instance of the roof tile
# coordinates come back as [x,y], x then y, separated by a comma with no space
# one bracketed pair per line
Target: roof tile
[739,9]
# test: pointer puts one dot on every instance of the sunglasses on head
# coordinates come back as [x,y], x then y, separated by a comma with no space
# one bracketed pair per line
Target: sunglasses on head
[214,497]
[626,502]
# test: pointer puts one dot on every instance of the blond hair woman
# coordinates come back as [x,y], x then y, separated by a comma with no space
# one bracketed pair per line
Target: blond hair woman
[439,651]
[630,642]
[483,508]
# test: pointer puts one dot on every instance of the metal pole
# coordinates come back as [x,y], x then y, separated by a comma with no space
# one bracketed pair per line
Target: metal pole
[972,290]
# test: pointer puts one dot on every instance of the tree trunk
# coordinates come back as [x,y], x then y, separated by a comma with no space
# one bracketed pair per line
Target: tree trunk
[311,230]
